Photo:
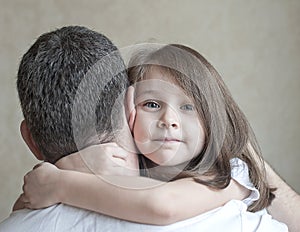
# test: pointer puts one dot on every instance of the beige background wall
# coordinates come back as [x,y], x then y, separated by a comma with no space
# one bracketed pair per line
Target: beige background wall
[255,45]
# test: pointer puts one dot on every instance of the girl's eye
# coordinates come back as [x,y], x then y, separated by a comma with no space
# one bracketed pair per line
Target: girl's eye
[187,107]
[151,105]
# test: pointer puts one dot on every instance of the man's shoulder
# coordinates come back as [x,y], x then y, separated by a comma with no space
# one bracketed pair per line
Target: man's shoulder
[231,217]
[56,216]
[65,218]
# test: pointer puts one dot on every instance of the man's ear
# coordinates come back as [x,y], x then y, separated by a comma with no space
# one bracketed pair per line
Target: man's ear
[27,137]
[131,112]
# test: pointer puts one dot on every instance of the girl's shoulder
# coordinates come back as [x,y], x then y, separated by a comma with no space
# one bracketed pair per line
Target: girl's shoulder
[240,173]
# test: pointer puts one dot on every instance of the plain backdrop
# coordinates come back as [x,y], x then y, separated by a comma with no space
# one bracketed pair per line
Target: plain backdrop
[255,45]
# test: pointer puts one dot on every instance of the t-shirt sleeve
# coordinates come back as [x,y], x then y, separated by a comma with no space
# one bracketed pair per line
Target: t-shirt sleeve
[240,173]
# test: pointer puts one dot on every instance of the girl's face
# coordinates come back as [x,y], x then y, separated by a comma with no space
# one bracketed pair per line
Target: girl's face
[167,128]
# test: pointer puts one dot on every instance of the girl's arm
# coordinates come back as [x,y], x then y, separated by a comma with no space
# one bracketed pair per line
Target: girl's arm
[132,198]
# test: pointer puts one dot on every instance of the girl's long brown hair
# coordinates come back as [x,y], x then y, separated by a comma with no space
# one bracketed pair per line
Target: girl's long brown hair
[228,133]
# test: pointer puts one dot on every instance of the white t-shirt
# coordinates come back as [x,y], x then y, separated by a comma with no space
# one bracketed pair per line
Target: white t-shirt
[231,217]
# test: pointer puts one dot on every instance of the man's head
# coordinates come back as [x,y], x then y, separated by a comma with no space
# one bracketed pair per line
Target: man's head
[70,77]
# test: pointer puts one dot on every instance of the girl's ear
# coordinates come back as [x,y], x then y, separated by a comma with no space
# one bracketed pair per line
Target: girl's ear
[27,137]
[131,112]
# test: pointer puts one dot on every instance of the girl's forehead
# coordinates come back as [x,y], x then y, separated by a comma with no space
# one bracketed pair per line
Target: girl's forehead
[171,76]
[159,88]
[158,79]
[155,72]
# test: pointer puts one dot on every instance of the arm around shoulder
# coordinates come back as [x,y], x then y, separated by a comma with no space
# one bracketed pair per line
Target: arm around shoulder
[161,204]
[185,198]
[131,198]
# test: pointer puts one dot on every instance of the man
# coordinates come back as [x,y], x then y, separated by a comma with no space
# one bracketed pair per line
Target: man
[286,205]
[67,97]
[68,82]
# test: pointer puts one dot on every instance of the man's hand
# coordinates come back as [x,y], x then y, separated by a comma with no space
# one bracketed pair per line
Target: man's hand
[103,159]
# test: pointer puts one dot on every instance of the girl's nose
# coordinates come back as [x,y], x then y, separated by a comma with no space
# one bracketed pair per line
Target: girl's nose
[169,119]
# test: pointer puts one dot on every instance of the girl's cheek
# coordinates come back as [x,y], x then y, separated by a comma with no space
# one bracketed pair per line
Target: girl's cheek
[138,129]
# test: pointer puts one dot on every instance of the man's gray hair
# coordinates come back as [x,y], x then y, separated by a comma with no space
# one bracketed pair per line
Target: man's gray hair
[50,78]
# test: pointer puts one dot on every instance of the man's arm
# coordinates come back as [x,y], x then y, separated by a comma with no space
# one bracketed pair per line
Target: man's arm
[286,205]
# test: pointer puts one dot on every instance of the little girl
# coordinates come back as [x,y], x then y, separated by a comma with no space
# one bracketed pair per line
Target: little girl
[224,131]
[189,130]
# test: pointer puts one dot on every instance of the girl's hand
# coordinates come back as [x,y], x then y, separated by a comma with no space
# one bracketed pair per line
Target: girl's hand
[103,159]
[41,187]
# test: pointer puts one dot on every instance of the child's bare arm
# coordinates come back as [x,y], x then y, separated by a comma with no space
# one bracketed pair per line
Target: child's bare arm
[161,204]
[132,198]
